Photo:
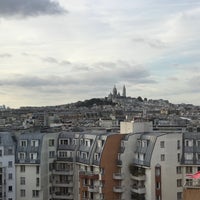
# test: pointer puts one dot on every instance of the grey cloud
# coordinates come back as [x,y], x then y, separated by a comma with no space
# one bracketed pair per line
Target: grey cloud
[65,62]
[87,79]
[4,55]
[29,8]
[50,60]
[154,43]
[36,81]
[119,72]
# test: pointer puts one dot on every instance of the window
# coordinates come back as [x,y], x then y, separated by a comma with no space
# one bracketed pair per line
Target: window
[51,154]
[178,170]
[198,156]
[51,166]
[188,143]
[178,144]
[33,156]
[10,163]
[35,193]
[162,157]
[22,181]
[23,143]
[179,182]
[10,188]
[22,155]
[157,185]
[10,199]
[22,193]
[64,142]
[37,169]
[37,182]
[179,195]
[34,143]
[51,142]
[96,156]
[10,176]
[188,170]
[198,143]
[179,157]
[22,168]
[158,171]
[0,152]
[162,144]
[188,156]
[157,197]
[10,151]
[141,156]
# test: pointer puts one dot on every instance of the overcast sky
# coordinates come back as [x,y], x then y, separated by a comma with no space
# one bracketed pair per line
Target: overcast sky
[57,52]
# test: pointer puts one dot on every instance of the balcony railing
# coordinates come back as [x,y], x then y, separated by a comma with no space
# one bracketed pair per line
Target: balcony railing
[118,189]
[62,195]
[62,183]
[93,189]
[63,172]
[138,177]
[119,162]
[192,183]
[118,176]
[89,174]
[138,189]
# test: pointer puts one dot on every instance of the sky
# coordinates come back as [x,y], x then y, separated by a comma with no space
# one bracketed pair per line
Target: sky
[63,51]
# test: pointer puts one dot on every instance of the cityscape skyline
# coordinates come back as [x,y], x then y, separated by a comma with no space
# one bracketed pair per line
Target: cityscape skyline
[58,52]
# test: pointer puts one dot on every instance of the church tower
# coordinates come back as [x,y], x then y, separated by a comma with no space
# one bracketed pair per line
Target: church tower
[124,91]
[114,91]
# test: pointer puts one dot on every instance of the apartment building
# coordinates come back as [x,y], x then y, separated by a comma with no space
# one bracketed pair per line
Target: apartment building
[154,163]
[7,166]
[191,164]
[34,153]
[85,166]
[138,164]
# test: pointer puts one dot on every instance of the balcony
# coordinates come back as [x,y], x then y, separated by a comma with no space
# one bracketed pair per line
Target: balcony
[66,147]
[118,176]
[138,177]
[89,174]
[59,183]
[192,183]
[68,159]
[137,196]
[63,172]
[93,189]
[138,189]
[118,189]
[119,162]
[60,195]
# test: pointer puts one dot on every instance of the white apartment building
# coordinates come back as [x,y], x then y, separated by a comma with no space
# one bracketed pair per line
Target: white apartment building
[34,153]
[154,161]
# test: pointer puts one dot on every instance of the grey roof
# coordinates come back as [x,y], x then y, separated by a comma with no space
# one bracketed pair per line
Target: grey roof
[7,139]
[29,149]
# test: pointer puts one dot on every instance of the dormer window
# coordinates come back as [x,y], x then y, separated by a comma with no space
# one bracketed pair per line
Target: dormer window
[22,155]
[64,142]
[34,143]
[33,156]
[23,143]
[188,143]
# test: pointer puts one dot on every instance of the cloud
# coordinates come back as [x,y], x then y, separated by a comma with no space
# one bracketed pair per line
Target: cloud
[50,60]
[153,43]
[25,8]
[5,55]
[35,81]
